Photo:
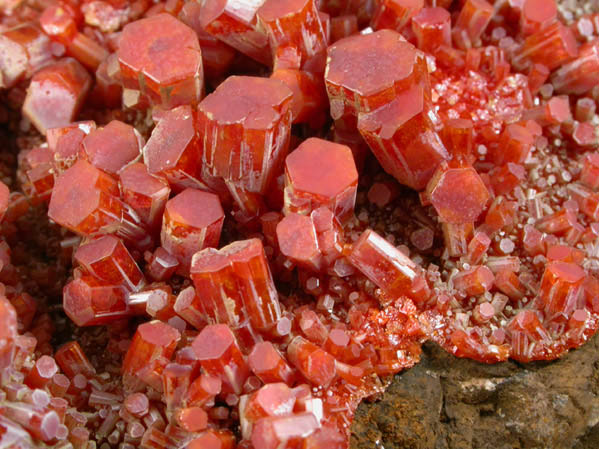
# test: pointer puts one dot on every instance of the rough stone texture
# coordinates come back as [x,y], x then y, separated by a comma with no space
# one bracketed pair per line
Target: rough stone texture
[450,403]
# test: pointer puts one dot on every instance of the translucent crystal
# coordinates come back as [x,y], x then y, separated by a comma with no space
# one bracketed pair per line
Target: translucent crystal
[108,259]
[55,94]
[112,147]
[218,352]
[293,23]
[152,340]
[315,364]
[235,283]
[192,221]
[245,124]
[161,56]
[395,14]
[457,194]
[235,23]
[403,137]
[309,186]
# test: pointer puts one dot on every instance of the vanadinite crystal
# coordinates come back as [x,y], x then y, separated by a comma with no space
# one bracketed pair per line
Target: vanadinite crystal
[241,269]
[56,94]
[161,57]
[245,128]
[332,183]
[192,220]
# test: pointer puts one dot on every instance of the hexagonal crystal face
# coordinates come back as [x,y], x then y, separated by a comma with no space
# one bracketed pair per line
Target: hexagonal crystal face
[332,182]
[458,194]
[192,221]
[161,56]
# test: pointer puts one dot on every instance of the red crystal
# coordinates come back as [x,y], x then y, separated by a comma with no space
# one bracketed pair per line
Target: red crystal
[56,94]
[383,65]
[236,25]
[8,333]
[472,21]
[218,352]
[192,220]
[580,75]
[551,46]
[268,364]
[560,287]
[112,147]
[161,56]
[297,240]
[386,266]
[247,119]
[310,186]
[432,27]
[536,15]
[395,14]
[108,259]
[315,364]
[85,200]
[153,340]
[24,50]
[403,137]
[293,23]
[457,194]
[146,194]
[89,301]
[173,149]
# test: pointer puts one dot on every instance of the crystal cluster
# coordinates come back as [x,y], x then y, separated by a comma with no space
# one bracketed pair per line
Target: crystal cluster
[230,224]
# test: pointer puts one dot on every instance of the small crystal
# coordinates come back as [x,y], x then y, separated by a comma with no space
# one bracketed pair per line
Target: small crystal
[236,25]
[551,46]
[218,352]
[112,147]
[152,340]
[108,259]
[309,185]
[293,23]
[457,194]
[268,364]
[297,240]
[395,14]
[432,27]
[315,364]
[89,301]
[472,21]
[536,15]
[192,220]
[386,266]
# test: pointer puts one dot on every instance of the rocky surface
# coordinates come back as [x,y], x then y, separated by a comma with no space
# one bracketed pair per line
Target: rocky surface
[449,403]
